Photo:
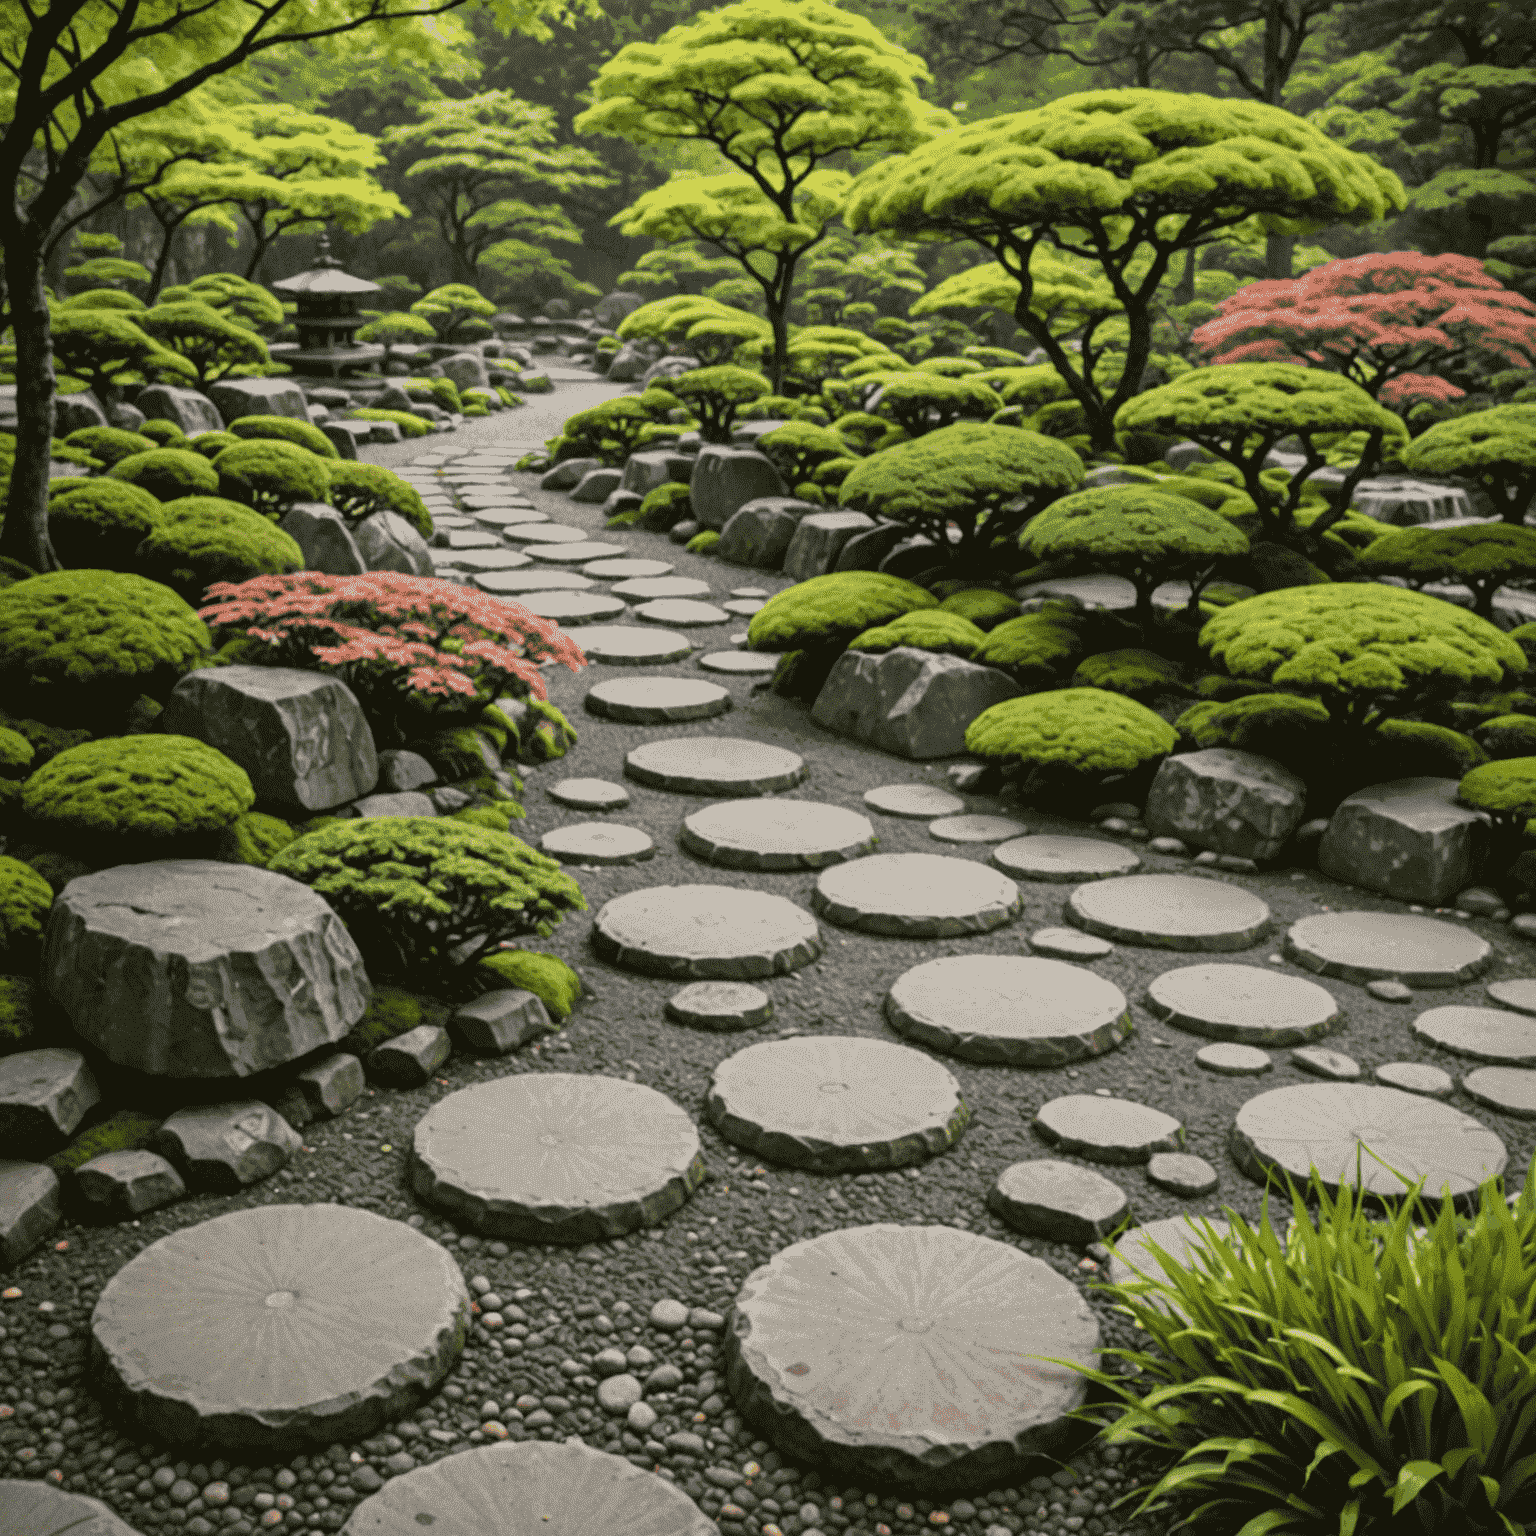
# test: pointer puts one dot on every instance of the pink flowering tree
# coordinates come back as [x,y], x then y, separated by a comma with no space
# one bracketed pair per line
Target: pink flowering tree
[1395,324]
[407,646]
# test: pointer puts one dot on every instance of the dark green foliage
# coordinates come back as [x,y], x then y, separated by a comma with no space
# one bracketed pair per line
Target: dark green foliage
[985,607]
[1524,635]
[1138,674]
[609,432]
[12,571]
[58,869]
[25,898]
[1507,736]
[270,476]
[212,444]
[548,977]
[359,490]
[203,539]
[457,754]
[163,433]
[21,1008]
[126,1130]
[703,542]
[715,395]
[16,754]
[1289,729]
[927,402]
[1038,650]
[1406,749]
[255,838]
[108,444]
[284,429]
[167,473]
[828,611]
[497,818]
[45,740]
[410,425]
[1505,791]
[392,1012]
[101,523]
[1479,556]
[928,629]
[667,506]
[798,448]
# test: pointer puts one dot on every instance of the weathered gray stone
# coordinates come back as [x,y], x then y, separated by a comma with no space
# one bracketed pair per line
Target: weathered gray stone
[301,736]
[865,550]
[191,968]
[1230,801]
[125,417]
[40,1509]
[401,770]
[665,368]
[725,478]
[125,1184]
[629,362]
[406,803]
[73,413]
[597,484]
[644,472]
[345,436]
[1405,503]
[409,1060]
[759,534]
[1408,838]
[44,1095]
[618,305]
[234,398]
[566,474]
[224,1147]
[913,703]
[498,1022]
[325,537]
[819,540]
[466,370]
[389,543]
[1058,1201]
[332,1086]
[29,1209]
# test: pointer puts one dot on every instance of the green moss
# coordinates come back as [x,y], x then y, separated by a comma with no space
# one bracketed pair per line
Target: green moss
[457,754]
[928,629]
[108,444]
[11,571]
[125,1131]
[545,734]
[358,490]
[547,976]
[493,722]
[1135,673]
[25,899]
[1278,725]
[1524,635]
[410,426]
[271,476]
[212,444]
[21,1007]
[100,523]
[255,838]
[162,431]
[203,539]
[167,473]
[828,611]
[16,754]
[1082,734]
[624,519]
[1505,790]
[668,505]
[392,1011]
[498,818]
[703,543]
[985,607]
[1408,749]
[1506,736]
[1038,650]
[287,430]
[491,790]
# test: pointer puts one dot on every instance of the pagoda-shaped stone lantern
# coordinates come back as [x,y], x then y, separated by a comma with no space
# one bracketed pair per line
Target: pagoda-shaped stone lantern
[328,301]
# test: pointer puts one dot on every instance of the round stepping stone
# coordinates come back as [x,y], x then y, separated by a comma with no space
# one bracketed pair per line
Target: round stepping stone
[1416,1077]
[1518,993]
[628,645]
[1326,1125]
[916,896]
[1179,1237]
[1388,946]
[642,589]
[1228,1060]
[1064,860]
[776,834]
[280,1326]
[1058,1201]
[509,515]
[745,607]
[682,612]
[1182,1173]
[1170,912]
[715,765]
[1115,1131]
[574,554]
[1243,1003]
[573,607]
[520,583]
[911,1355]
[1026,1012]
[1510,1090]
[556,1157]
[598,842]
[749,592]
[1321,1062]
[481,561]
[740,663]
[1485,1034]
[626,570]
[723,1006]
[836,1103]
[974,829]
[40,1509]
[708,932]
[546,533]
[657,700]
[913,802]
[531,1489]
[589,794]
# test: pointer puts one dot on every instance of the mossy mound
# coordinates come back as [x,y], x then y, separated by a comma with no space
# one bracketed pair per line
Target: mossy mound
[284,429]
[1038,650]
[212,444]
[25,900]
[544,733]
[668,505]
[21,1014]
[203,539]
[162,430]
[125,1131]
[109,444]
[703,542]
[393,1011]
[1506,736]
[1071,733]
[270,476]
[1407,749]
[1278,725]
[548,977]
[829,611]
[167,473]
[1505,790]
[985,607]
[1135,673]
[927,629]
[101,523]
[359,490]
[254,838]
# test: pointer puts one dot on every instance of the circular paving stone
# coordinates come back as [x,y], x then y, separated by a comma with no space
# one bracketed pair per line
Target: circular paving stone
[740,663]
[546,533]
[556,1157]
[280,1326]
[715,765]
[1026,1012]
[1321,1062]
[913,802]
[711,932]
[1510,1090]
[589,794]
[1518,993]
[1325,1125]
[574,554]
[723,1006]
[974,829]
[40,1509]
[681,612]
[910,1355]
[1178,1236]
[598,842]
[519,583]
[1243,1003]
[1228,1060]
[1170,912]
[532,1489]
[624,569]
[657,700]
[1416,1077]
[776,834]
[750,592]
[1485,1034]
[643,589]
[836,1103]
[628,645]
[1069,944]
[573,607]
[745,607]
[916,896]
[509,515]
[1182,1173]
[1388,946]
[1115,1131]
[1058,1201]
[1064,860]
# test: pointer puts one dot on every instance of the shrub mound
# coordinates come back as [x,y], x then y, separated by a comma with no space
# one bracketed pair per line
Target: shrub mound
[101,523]
[926,629]
[203,539]
[1038,650]
[828,611]
[284,429]
[1135,673]
[25,898]
[109,444]
[548,977]
[167,473]
[270,476]
[983,606]
[359,490]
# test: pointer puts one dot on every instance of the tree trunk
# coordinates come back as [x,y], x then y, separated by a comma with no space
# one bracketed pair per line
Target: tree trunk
[1279,252]
[1185,292]
[24,535]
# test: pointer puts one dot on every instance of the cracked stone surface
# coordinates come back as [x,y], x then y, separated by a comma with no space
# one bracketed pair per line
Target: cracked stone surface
[706,932]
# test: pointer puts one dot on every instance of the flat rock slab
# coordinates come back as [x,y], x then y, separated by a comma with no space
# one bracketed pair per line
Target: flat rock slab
[410,1059]
[629,645]
[682,612]
[1069,944]
[913,802]
[598,843]
[128,1183]
[556,1157]
[705,933]
[1388,946]
[573,607]
[479,560]
[498,1022]
[574,554]
[658,700]
[1170,912]
[1228,1060]
[724,1006]
[646,589]
[40,1509]
[506,512]
[531,1489]
[344,1322]
[1243,1003]
[1321,1062]
[1115,1131]
[530,582]
[975,829]
[547,533]
[776,834]
[740,663]
[627,570]
[1182,1239]
[1416,1077]
[29,1208]
[1485,1034]
[1058,1201]
[916,896]
[836,1103]
[44,1095]
[1182,1173]
[745,607]
[225,1147]
[1518,993]
[911,1356]
[1509,1090]
[1023,1011]
[589,794]
[1064,860]
[1329,1125]
[715,765]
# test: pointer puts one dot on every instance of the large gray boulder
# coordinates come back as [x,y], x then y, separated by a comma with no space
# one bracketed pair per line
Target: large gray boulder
[597,484]
[389,543]
[616,306]
[1227,801]
[909,702]
[644,472]
[629,363]
[73,413]
[864,551]
[235,398]
[30,1207]
[190,968]
[819,540]
[726,478]
[567,474]
[325,537]
[345,436]
[191,411]
[759,534]
[1407,838]
[467,371]
[302,737]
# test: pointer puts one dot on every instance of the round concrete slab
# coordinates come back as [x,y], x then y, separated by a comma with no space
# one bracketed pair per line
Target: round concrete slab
[1023,1011]
[1069,944]
[745,607]
[776,834]
[715,765]
[1243,1003]
[1058,1201]
[1518,993]
[681,612]
[708,932]
[628,645]
[573,608]
[598,843]
[836,1103]
[1181,1238]
[1416,1077]
[1181,1173]
[975,829]
[1170,912]
[1228,1060]
[481,561]
[1388,946]
[1115,1131]
[645,589]
[344,1322]
[658,700]
[1330,1125]
[545,533]
[1509,1090]
[916,896]
[589,794]
[509,514]
[913,802]
[1321,1062]
[574,554]
[521,583]
[626,570]
[1064,860]
[723,1006]
[911,1356]
[556,1157]
[740,663]
[1485,1034]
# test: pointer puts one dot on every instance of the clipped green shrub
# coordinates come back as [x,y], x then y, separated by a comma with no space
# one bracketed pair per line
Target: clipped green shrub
[1507,736]
[1480,557]
[703,542]
[167,434]
[668,505]
[1289,729]
[1505,791]
[460,753]
[1406,749]
[441,392]
[16,754]
[212,444]
[203,539]
[494,817]
[167,473]
[410,425]
[828,611]
[715,395]
[1138,674]
[101,523]
[548,977]
[983,606]
[25,899]
[125,1130]
[359,490]
[254,838]
[1037,650]
[928,629]
[284,429]
[45,740]
[271,476]
[108,444]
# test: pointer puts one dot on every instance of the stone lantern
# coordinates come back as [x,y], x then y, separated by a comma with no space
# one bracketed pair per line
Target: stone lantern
[328,301]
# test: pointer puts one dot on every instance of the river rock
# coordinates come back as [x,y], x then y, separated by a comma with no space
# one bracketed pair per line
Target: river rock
[644,472]
[191,411]
[234,398]
[325,538]
[1408,838]
[29,1209]
[389,543]
[759,534]
[726,478]
[1229,801]
[128,1183]
[819,540]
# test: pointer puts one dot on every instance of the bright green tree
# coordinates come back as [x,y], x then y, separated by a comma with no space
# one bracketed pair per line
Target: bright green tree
[1495,449]
[101,347]
[215,345]
[448,307]
[1481,557]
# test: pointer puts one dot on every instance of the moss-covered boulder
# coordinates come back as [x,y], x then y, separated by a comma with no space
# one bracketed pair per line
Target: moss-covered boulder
[548,977]
[109,444]
[1506,736]
[666,506]
[25,899]
[1038,650]
[1407,749]
[270,476]
[254,838]
[199,540]
[927,629]
[167,473]
[284,429]
[985,607]
[1505,792]
[100,523]
[829,611]
[1138,674]
[359,490]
